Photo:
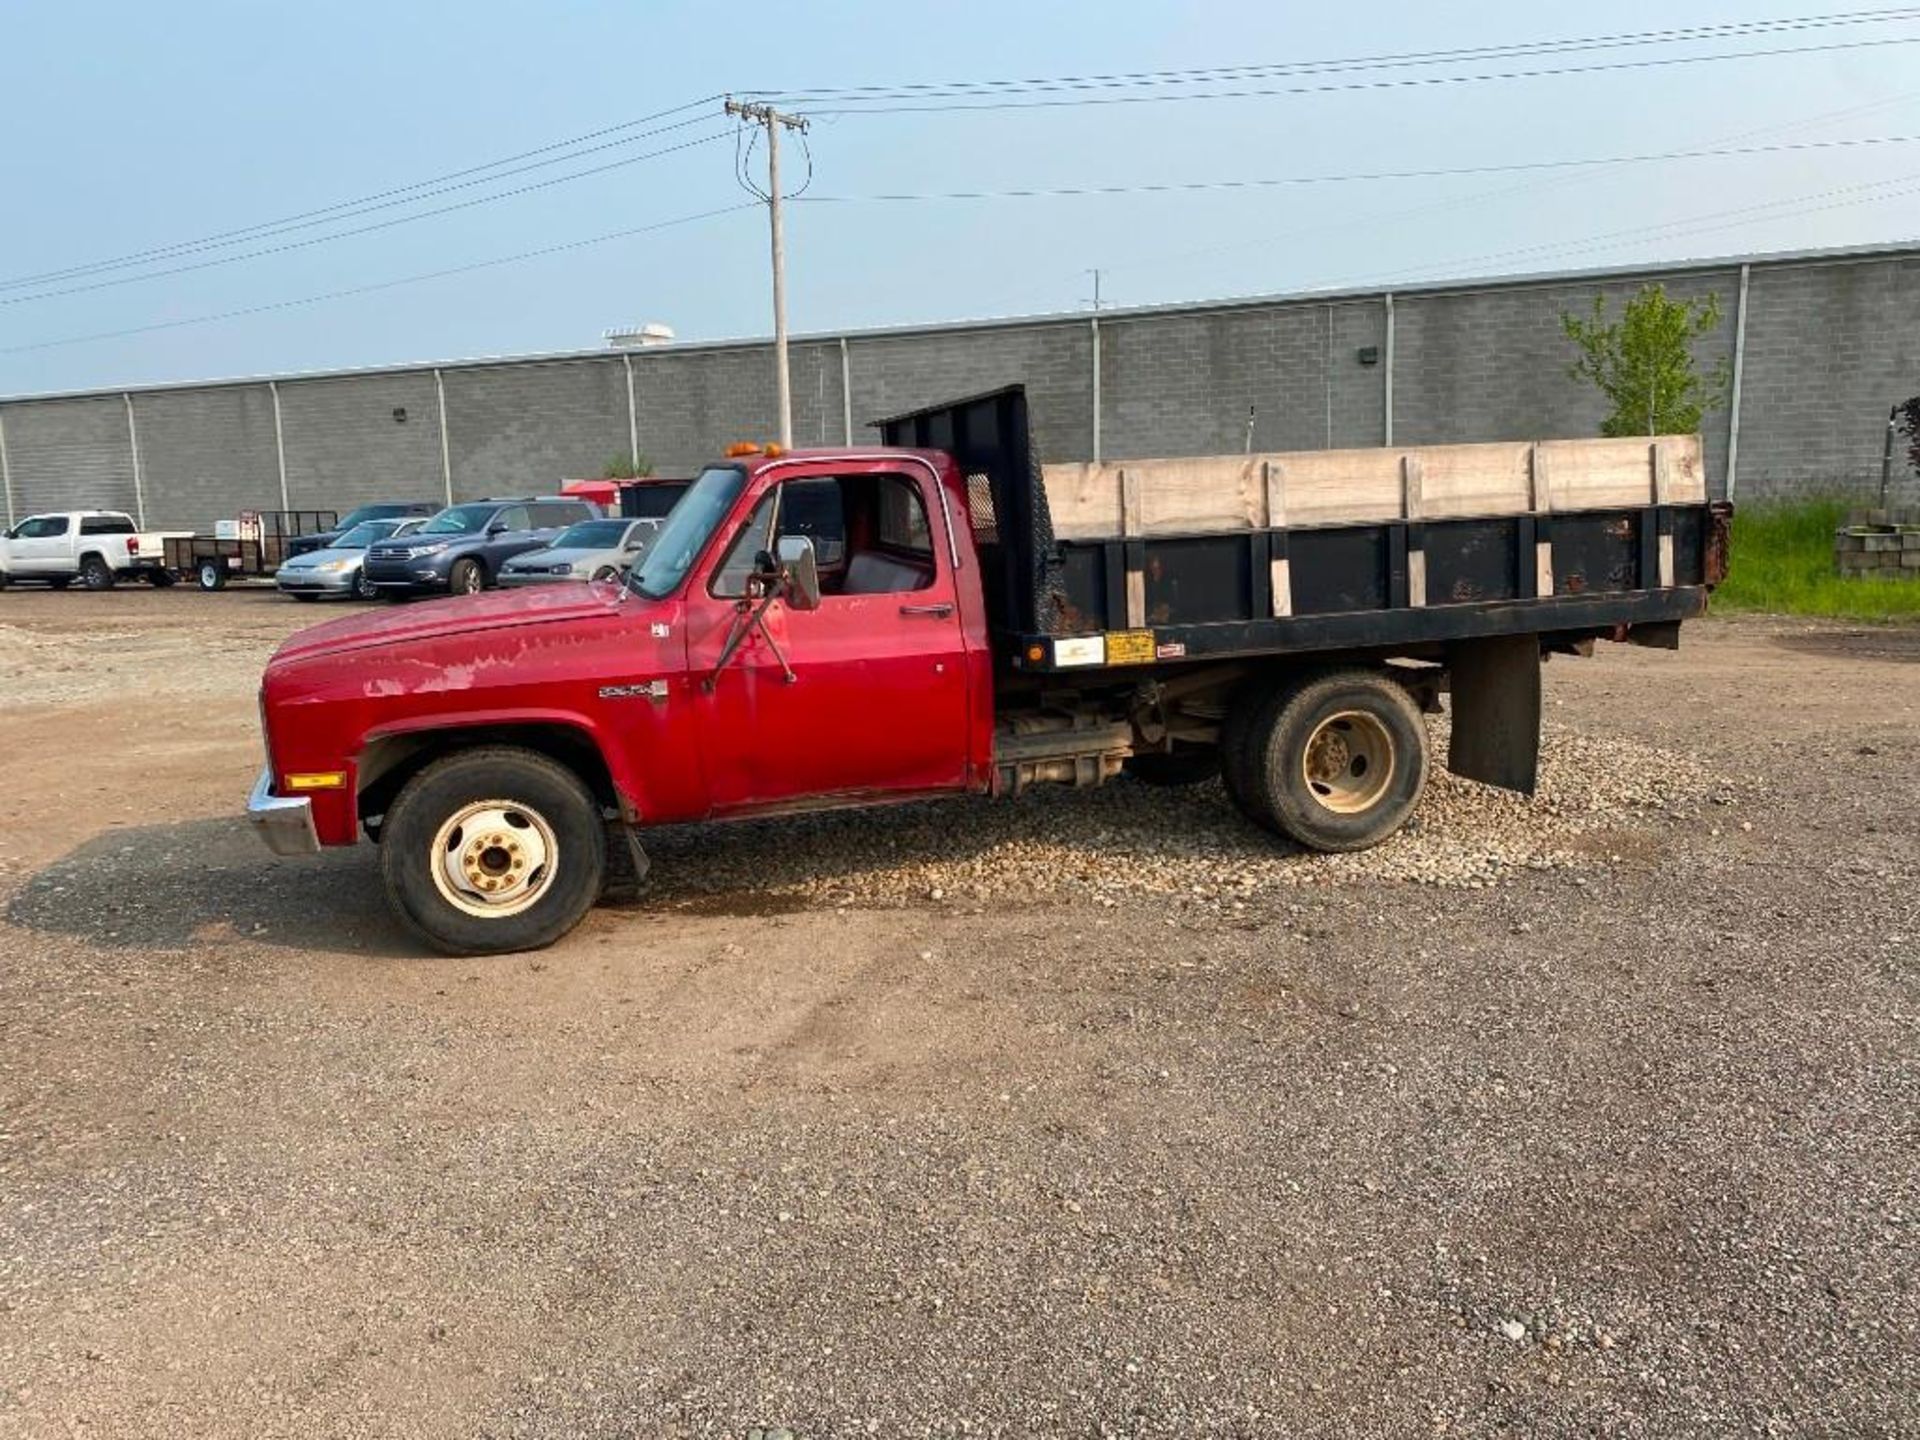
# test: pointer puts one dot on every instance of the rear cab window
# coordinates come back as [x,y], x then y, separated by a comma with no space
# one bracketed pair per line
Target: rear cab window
[106,525]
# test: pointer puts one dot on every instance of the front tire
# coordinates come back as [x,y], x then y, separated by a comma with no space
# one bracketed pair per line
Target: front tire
[468,577]
[493,850]
[363,588]
[1338,761]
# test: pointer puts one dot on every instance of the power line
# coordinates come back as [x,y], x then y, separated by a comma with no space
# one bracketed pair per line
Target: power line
[363,229]
[1210,74]
[383,199]
[383,284]
[1791,206]
[1420,81]
[1185,186]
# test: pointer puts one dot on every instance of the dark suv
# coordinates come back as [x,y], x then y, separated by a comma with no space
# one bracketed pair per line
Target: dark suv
[463,547]
[380,510]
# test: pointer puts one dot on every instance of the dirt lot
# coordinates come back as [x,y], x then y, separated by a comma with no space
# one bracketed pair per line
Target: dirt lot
[1093,1115]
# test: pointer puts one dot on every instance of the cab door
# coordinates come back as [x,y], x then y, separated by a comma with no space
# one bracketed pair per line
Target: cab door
[877,702]
[41,546]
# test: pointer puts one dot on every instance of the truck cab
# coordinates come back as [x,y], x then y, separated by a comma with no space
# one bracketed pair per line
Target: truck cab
[698,687]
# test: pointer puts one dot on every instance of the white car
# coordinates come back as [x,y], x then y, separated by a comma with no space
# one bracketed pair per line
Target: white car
[99,548]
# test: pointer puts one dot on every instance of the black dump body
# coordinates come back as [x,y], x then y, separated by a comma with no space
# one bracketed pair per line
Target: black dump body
[1208,595]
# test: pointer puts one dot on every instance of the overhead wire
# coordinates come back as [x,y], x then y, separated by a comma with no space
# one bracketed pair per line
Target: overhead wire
[380,285]
[1420,81]
[1400,59]
[385,199]
[313,240]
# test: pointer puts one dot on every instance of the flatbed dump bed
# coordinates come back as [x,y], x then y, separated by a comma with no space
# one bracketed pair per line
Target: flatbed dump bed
[1401,550]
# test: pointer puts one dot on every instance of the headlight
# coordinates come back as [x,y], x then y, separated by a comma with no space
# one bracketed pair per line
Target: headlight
[334,567]
[415,551]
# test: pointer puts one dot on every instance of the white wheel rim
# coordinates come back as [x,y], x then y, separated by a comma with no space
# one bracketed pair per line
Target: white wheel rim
[494,858]
[1348,762]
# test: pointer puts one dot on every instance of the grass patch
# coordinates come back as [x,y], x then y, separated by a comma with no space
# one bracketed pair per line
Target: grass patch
[1782,562]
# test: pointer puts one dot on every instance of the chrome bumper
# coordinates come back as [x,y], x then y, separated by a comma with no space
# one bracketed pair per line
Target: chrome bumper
[284,822]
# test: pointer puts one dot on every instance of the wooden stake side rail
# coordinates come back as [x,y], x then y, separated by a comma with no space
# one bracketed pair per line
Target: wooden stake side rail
[1402,489]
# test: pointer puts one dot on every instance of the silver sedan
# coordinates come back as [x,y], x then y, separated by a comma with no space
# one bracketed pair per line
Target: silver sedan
[591,550]
[339,570]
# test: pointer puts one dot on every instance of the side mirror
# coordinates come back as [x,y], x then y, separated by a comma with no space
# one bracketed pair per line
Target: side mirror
[799,574]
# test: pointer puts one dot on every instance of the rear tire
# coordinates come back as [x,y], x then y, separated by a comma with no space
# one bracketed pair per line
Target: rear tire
[1339,760]
[96,574]
[493,850]
[210,575]
[468,577]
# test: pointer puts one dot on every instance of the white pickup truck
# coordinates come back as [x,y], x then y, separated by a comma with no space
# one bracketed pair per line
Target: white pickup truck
[99,548]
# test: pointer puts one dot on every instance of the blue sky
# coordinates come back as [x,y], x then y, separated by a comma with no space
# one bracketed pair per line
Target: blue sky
[135,126]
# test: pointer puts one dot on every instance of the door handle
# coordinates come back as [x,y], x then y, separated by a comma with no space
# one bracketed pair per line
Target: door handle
[939,611]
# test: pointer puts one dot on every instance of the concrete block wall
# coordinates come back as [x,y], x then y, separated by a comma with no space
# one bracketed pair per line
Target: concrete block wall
[69,455]
[520,428]
[205,455]
[1829,349]
[358,438]
[1831,343]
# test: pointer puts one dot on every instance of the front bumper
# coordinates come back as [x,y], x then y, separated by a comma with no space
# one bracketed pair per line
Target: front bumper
[310,582]
[284,822]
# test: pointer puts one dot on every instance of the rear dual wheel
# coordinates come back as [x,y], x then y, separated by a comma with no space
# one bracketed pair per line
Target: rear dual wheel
[493,849]
[1336,760]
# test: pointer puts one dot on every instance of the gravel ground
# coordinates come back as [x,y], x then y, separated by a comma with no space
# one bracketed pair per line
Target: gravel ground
[1590,1114]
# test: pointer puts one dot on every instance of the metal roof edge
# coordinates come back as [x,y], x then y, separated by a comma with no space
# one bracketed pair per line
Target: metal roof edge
[1887,250]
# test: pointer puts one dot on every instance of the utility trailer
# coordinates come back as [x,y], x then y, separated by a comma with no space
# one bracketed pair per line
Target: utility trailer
[1463,565]
[252,547]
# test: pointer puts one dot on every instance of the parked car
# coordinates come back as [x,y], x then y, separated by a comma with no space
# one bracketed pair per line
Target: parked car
[383,510]
[463,547]
[99,548]
[340,569]
[591,550]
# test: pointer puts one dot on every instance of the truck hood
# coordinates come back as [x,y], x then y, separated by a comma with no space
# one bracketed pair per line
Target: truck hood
[458,615]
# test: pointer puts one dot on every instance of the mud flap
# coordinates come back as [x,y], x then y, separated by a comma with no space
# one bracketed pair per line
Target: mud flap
[627,864]
[1496,711]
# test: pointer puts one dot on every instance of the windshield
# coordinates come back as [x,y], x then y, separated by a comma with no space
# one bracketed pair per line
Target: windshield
[363,535]
[686,531]
[459,520]
[591,535]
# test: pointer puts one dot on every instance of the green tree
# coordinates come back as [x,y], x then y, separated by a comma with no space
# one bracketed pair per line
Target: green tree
[627,467]
[1644,363]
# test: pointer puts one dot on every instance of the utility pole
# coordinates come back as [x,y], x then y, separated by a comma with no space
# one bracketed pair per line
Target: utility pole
[774,121]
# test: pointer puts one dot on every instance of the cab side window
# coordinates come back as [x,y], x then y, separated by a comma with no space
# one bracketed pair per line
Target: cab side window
[870,535]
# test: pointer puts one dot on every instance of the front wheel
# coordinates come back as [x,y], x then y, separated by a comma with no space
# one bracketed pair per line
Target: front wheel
[491,850]
[1338,761]
[607,575]
[363,588]
[468,577]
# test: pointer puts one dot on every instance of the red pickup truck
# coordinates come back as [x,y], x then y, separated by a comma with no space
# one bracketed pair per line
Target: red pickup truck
[825,628]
